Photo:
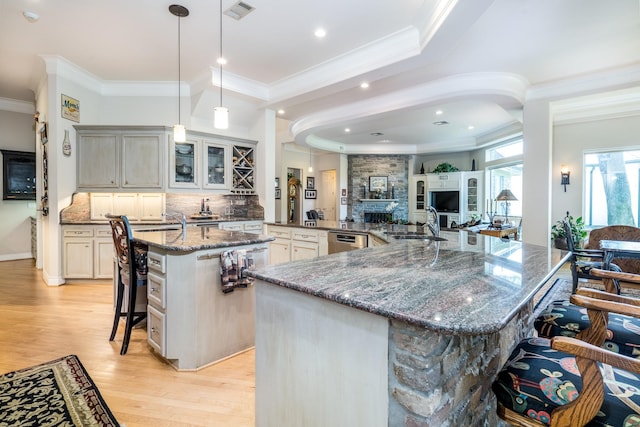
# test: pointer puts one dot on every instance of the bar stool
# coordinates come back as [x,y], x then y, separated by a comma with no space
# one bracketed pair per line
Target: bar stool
[132,273]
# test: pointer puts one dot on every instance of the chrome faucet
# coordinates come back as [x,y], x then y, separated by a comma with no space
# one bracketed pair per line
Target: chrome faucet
[183,222]
[435,227]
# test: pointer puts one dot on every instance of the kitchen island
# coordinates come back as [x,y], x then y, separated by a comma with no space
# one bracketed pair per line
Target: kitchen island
[193,320]
[410,333]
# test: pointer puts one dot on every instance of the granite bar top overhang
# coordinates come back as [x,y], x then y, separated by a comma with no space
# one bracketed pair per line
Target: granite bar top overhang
[452,287]
[197,238]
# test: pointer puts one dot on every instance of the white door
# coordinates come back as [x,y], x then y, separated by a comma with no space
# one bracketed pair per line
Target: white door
[327,195]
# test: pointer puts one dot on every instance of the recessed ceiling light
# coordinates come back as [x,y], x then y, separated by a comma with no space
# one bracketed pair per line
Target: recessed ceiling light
[364,85]
[377,133]
[320,33]
[471,127]
[441,123]
[30,16]
[438,112]
[347,130]
[281,111]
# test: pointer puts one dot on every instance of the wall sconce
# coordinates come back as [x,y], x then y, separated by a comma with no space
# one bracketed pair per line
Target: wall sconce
[565,173]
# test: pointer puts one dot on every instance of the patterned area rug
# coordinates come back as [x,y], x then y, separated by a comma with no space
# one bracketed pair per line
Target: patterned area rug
[56,393]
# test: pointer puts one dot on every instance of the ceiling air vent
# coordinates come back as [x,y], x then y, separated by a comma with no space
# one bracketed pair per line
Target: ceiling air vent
[239,10]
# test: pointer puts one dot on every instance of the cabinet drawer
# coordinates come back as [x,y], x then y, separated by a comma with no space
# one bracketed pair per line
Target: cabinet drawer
[103,232]
[231,227]
[157,262]
[283,233]
[305,235]
[156,290]
[253,227]
[156,330]
[84,232]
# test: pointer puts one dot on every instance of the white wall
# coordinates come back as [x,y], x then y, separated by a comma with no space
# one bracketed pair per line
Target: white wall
[571,141]
[18,133]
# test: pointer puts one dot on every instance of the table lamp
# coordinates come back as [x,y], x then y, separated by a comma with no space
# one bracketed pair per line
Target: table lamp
[506,196]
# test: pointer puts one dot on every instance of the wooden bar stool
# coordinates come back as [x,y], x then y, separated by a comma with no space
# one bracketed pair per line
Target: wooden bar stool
[132,273]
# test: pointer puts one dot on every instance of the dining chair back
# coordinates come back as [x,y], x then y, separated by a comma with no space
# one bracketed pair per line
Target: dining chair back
[131,274]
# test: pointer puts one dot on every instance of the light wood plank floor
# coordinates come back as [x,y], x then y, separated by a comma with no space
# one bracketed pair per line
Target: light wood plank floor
[40,323]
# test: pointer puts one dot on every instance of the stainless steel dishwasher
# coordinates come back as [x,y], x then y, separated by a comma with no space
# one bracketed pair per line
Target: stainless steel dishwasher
[342,241]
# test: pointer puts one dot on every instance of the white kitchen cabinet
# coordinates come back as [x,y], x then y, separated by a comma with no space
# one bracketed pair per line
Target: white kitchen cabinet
[294,243]
[184,167]
[103,250]
[191,322]
[254,227]
[87,252]
[418,198]
[136,206]
[100,205]
[78,257]
[120,157]
[215,164]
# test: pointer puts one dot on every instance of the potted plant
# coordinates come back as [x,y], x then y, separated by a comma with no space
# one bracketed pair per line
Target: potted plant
[445,167]
[578,232]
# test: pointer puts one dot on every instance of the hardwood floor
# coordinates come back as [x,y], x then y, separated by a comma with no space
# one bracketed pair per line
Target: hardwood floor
[40,323]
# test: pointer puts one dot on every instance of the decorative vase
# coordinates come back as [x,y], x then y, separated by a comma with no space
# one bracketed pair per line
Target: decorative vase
[422,169]
[66,144]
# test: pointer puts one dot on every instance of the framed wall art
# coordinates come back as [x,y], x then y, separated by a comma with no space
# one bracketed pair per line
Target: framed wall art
[310,194]
[311,183]
[277,193]
[70,108]
[378,183]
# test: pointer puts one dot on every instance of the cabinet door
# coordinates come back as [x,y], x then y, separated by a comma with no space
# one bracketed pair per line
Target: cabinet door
[421,194]
[150,206]
[78,258]
[104,258]
[142,160]
[98,165]
[303,250]
[279,251]
[183,165]
[126,204]
[215,161]
[101,204]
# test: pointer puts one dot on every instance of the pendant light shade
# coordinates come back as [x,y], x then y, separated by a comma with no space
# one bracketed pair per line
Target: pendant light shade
[310,167]
[179,133]
[221,117]
[220,113]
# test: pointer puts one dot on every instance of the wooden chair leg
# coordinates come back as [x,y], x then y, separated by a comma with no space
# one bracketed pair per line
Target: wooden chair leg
[131,309]
[118,308]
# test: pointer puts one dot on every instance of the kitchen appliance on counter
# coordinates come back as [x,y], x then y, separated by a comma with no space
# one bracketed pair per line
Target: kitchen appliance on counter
[342,241]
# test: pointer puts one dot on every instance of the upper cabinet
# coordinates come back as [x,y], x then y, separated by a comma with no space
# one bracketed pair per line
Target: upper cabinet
[201,162]
[113,158]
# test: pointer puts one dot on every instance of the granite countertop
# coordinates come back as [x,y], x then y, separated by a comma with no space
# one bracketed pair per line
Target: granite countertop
[470,284]
[355,226]
[197,238]
[135,223]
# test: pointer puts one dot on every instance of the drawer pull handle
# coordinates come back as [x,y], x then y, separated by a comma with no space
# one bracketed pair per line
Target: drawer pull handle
[155,261]
[154,290]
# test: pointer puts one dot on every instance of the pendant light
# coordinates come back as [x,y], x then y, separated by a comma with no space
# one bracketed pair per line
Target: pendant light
[220,113]
[179,133]
[310,167]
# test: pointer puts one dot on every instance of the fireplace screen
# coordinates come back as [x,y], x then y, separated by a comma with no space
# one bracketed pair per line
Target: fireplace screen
[18,175]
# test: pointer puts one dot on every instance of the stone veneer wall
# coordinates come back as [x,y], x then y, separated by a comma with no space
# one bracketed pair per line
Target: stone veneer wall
[361,167]
[440,380]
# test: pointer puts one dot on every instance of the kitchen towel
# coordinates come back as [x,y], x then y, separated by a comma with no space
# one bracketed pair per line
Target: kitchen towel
[233,266]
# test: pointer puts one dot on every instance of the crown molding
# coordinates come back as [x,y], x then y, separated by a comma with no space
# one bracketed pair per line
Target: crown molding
[17,106]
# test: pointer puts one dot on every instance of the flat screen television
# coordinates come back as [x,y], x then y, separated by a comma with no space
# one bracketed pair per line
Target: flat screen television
[446,201]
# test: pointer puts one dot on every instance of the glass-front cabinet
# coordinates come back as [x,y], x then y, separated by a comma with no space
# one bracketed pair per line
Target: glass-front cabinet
[183,168]
[243,160]
[215,158]
[421,194]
